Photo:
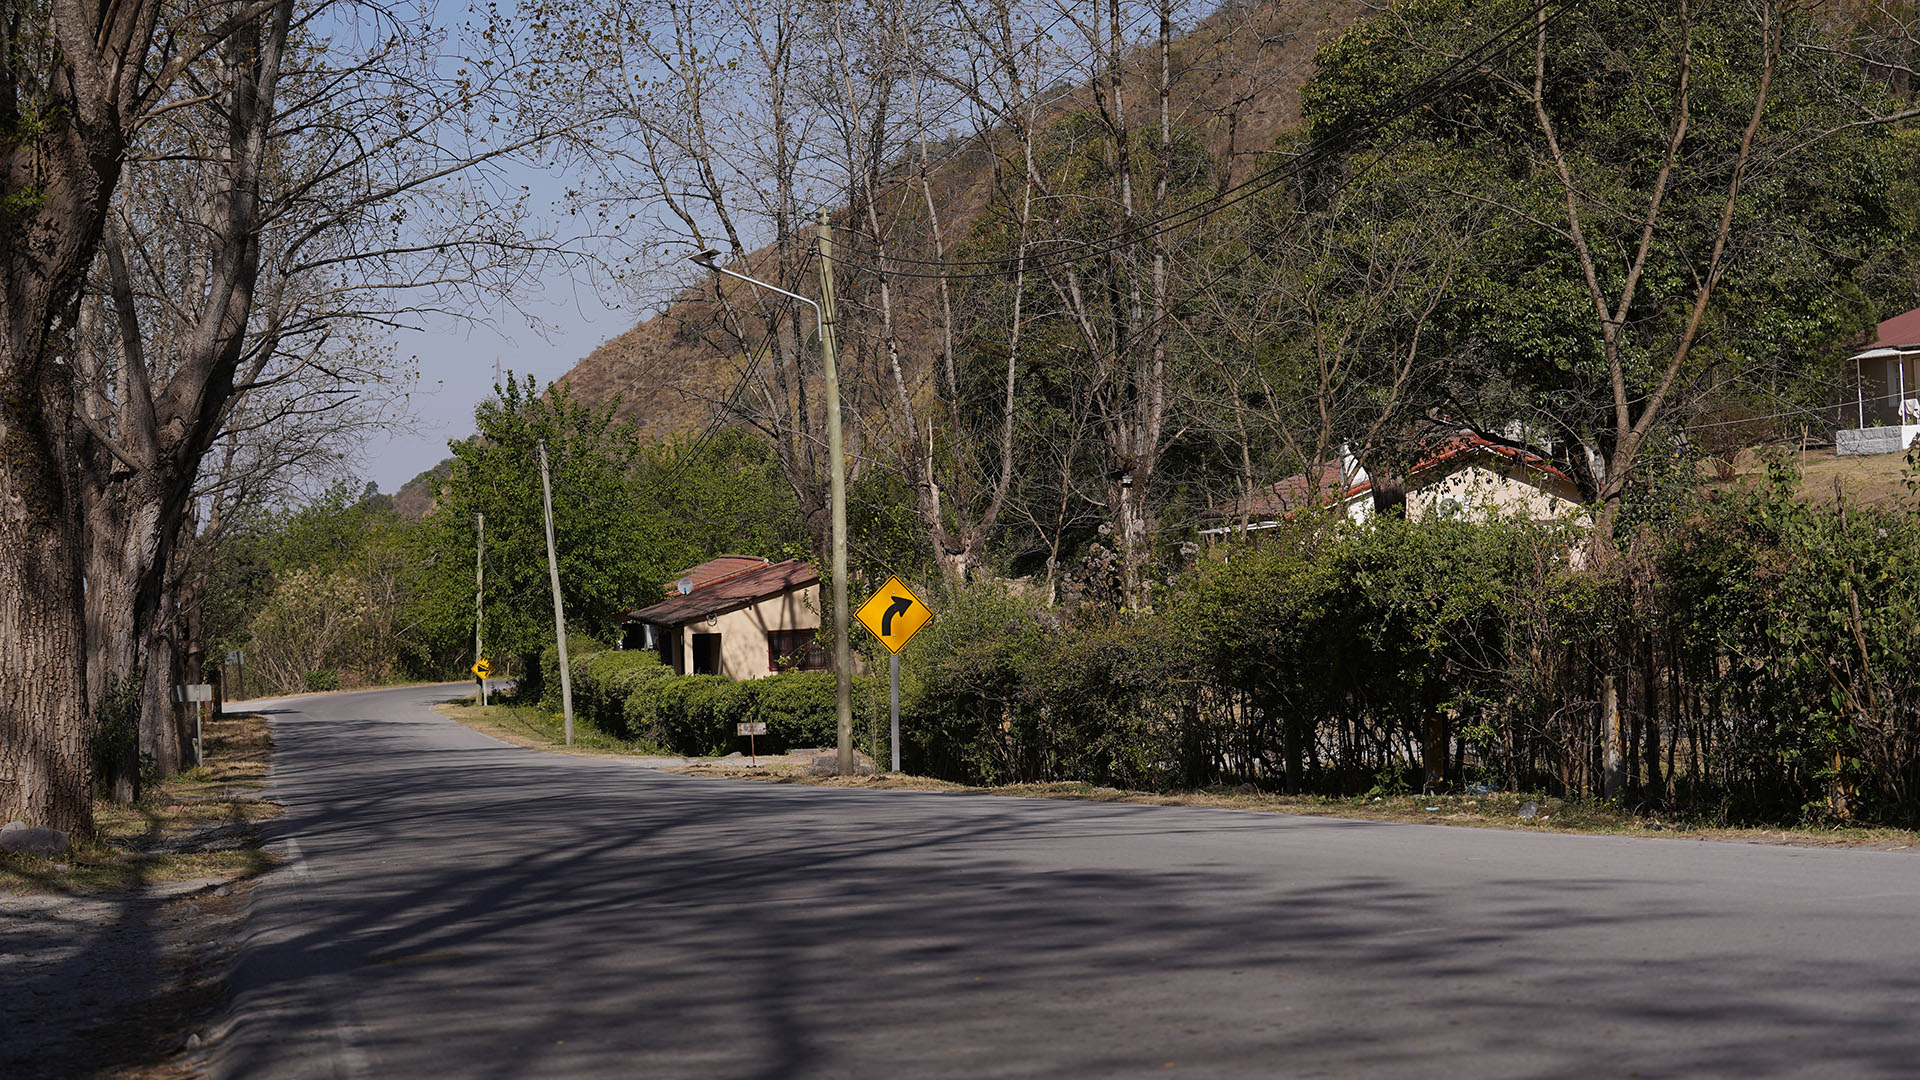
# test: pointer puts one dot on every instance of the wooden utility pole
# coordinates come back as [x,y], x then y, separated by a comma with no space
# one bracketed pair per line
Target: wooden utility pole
[837,496]
[479,590]
[559,611]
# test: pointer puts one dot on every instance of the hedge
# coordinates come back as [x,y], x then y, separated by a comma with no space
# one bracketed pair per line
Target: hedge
[547,690]
[603,681]
[696,715]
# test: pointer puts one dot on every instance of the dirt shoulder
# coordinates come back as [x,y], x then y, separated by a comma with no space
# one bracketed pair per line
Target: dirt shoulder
[116,951]
[1495,810]
[539,730]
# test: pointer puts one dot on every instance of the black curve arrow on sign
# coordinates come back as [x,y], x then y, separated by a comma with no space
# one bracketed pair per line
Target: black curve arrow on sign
[900,606]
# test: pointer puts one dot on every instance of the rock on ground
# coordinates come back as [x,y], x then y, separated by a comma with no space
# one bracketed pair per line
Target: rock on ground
[17,837]
[827,763]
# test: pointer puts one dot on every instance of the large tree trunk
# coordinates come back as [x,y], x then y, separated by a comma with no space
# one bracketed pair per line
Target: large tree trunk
[62,142]
[45,771]
[113,561]
[131,611]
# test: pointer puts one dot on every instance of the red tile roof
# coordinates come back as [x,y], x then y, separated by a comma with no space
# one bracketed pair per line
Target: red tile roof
[716,570]
[716,593]
[1901,331]
[1316,487]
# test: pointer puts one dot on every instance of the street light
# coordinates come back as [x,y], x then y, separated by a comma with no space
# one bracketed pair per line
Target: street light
[836,477]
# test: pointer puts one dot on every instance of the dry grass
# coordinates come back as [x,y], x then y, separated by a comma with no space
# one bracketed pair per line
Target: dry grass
[1871,480]
[538,729]
[199,824]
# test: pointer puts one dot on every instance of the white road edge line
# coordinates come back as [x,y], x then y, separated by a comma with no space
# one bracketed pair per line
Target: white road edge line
[296,859]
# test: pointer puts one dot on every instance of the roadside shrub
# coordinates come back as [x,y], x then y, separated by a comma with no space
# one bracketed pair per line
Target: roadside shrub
[798,708]
[1120,703]
[602,682]
[967,707]
[547,690]
[695,715]
[688,714]
[320,681]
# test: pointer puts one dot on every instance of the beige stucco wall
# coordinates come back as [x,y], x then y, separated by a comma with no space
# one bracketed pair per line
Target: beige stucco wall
[1482,491]
[743,633]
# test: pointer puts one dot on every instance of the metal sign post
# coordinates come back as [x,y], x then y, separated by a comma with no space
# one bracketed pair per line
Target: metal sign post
[894,741]
[482,669]
[200,696]
[758,727]
[894,615]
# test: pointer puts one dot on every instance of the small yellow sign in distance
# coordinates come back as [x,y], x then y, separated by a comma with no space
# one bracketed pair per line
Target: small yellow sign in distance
[894,614]
[481,668]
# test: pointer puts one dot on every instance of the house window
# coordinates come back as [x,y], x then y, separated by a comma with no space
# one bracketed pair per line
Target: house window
[796,650]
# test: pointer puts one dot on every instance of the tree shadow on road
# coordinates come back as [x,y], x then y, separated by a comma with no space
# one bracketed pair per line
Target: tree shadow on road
[570,916]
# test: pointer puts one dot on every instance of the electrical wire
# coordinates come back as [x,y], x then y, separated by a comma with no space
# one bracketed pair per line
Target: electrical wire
[1803,411]
[754,360]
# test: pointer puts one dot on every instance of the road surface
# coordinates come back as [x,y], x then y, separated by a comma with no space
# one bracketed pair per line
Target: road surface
[455,907]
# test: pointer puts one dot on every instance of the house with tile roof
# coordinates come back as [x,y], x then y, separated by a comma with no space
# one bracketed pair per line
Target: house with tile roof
[1883,416]
[1463,475]
[738,616]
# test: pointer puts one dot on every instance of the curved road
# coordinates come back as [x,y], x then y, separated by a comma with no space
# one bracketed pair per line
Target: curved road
[457,907]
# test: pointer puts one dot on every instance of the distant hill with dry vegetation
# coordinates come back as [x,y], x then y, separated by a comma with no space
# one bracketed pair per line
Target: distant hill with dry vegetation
[1239,81]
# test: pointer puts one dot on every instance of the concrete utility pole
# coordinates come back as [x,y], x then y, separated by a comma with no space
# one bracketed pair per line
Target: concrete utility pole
[837,496]
[559,611]
[836,477]
[1614,779]
[479,590]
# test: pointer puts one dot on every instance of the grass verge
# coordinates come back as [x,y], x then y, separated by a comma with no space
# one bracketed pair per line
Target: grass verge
[538,729]
[202,823]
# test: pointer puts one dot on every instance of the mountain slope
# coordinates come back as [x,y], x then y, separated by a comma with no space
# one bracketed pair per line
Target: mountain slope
[1238,80]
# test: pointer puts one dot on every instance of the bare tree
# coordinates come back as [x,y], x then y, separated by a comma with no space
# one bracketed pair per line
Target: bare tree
[290,196]
[80,79]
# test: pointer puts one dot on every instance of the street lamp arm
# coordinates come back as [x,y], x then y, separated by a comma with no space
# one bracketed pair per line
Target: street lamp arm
[718,269]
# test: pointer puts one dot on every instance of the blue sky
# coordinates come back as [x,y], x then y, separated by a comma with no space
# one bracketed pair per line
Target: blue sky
[456,366]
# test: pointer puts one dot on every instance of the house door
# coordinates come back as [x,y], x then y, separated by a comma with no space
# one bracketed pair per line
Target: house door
[706,654]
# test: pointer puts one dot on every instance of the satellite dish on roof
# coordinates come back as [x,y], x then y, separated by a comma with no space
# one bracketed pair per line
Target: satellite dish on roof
[685,585]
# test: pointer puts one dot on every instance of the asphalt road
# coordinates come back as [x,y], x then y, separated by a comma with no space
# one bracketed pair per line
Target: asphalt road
[458,907]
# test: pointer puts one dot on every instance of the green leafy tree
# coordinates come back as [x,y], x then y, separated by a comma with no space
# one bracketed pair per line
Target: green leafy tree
[719,495]
[1687,204]
[601,530]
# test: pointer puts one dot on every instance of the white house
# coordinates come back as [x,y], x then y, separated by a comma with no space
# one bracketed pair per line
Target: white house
[1465,476]
[1884,415]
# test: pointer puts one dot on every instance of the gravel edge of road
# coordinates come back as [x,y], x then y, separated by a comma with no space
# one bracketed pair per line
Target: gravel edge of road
[1458,811]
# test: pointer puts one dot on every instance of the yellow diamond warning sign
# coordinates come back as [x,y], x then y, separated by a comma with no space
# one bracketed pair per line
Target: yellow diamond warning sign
[482,668]
[894,614]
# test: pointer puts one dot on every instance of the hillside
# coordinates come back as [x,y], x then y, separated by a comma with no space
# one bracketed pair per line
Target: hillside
[1238,80]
